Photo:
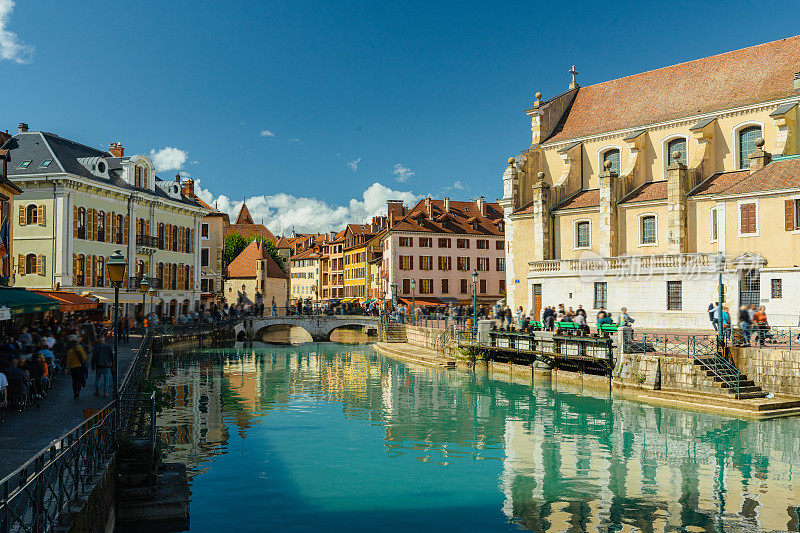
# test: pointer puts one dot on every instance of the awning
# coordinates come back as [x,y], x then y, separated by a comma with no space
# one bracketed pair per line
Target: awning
[451,300]
[69,301]
[124,297]
[422,302]
[21,301]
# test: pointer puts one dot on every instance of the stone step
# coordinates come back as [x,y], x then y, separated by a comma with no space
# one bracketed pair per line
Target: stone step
[743,390]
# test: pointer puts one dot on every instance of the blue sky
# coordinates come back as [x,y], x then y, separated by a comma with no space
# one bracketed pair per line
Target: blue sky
[324,100]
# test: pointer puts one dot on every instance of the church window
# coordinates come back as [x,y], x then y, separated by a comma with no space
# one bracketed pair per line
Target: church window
[582,238]
[647,234]
[747,144]
[613,156]
[676,145]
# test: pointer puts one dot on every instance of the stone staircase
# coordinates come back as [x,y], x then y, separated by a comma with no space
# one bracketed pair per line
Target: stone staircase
[395,333]
[725,376]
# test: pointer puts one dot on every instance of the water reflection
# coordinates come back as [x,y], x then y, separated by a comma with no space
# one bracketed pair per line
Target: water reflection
[339,433]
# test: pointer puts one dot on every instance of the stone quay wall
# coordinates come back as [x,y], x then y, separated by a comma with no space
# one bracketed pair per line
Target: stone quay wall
[650,371]
[773,370]
[432,339]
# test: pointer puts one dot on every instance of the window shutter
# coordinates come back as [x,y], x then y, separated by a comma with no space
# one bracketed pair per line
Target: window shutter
[21,264]
[74,267]
[147,227]
[180,239]
[180,276]
[40,265]
[96,224]
[192,250]
[789,214]
[22,215]
[114,226]
[75,222]
[109,233]
[127,227]
[40,214]
[191,277]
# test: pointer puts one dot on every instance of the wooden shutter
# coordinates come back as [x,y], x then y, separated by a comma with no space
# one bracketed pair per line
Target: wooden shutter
[192,250]
[109,233]
[180,276]
[22,215]
[747,214]
[114,226]
[191,278]
[127,228]
[40,265]
[75,222]
[180,239]
[20,264]
[40,214]
[788,213]
[147,227]
[74,267]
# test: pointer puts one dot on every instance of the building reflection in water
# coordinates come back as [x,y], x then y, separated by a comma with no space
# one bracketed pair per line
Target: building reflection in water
[569,459]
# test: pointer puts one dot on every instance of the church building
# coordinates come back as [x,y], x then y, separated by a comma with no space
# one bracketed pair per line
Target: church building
[637,191]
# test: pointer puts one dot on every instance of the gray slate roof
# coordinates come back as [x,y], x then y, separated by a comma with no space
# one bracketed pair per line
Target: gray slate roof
[38,146]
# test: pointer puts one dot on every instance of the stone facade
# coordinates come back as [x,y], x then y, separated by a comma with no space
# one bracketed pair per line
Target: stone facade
[776,371]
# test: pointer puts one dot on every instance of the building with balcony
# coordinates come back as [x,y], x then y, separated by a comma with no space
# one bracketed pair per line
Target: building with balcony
[633,187]
[434,248]
[332,267]
[360,243]
[79,204]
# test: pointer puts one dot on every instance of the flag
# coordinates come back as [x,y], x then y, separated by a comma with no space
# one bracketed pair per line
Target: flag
[5,256]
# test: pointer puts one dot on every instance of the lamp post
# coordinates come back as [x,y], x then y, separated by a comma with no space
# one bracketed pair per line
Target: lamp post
[720,260]
[153,292]
[413,301]
[475,298]
[116,273]
[394,293]
[144,285]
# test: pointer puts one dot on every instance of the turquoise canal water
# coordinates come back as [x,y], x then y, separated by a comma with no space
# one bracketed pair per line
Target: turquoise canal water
[331,437]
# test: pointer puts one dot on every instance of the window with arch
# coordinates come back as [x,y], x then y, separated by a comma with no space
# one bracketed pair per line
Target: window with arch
[31,214]
[30,264]
[647,230]
[101,226]
[187,234]
[747,137]
[160,271]
[120,229]
[161,235]
[80,270]
[100,275]
[186,274]
[611,155]
[174,238]
[144,181]
[81,222]
[677,145]
[140,226]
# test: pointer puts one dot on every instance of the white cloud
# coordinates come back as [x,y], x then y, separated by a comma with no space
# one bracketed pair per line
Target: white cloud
[168,159]
[11,48]
[457,186]
[401,173]
[184,174]
[267,133]
[295,140]
[354,164]
[282,212]
[193,162]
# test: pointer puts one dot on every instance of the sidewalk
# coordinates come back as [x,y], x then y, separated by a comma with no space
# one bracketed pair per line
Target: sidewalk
[25,433]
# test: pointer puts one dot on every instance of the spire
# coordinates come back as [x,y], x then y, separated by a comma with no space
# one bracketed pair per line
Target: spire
[244,215]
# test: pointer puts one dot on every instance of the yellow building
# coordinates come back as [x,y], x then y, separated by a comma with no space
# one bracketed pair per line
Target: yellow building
[306,275]
[80,204]
[355,261]
[632,187]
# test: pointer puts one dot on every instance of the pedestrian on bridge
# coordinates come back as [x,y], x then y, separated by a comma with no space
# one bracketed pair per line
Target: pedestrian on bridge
[102,358]
[76,357]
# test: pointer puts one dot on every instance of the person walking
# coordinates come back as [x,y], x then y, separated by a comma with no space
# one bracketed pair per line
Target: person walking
[711,317]
[102,359]
[75,359]
[760,321]
[745,325]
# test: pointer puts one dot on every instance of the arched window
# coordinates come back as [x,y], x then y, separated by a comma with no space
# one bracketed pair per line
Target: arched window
[160,273]
[677,145]
[31,214]
[613,156]
[101,272]
[101,226]
[186,278]
[747,144]
[120,229]
[136,176]
[30,264]
[188,238]
[161,235]
[174,238]
[81,222]
[144,181]
[80,271]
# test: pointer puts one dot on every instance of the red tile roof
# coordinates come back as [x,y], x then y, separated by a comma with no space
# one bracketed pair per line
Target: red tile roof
[584,198]
[719,182]
[756,74]
[652,190]
[244,265]
[418,219]
[244,215]
[778,175]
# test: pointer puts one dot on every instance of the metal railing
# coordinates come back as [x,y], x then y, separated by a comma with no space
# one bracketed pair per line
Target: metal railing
[135,282]
[150,241]
[38,494]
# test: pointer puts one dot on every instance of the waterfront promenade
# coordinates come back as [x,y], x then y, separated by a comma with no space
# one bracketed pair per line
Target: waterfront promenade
[25,433]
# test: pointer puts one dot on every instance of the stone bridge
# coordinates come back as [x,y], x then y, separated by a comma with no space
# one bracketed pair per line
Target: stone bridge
[319,327]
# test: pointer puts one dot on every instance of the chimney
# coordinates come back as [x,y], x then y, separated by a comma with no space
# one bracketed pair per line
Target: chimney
[758,157]
[23,127]
[188,187]
[446,204]
[481,205]
[428,205]
[394,210]
[116,149]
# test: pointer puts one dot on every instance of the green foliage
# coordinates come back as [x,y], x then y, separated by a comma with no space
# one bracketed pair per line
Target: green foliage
[273,252]
[235,243]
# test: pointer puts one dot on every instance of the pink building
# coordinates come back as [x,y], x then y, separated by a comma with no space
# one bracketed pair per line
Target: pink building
[439,244]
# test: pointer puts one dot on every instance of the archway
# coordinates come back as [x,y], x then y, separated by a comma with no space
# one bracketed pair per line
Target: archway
[283,333]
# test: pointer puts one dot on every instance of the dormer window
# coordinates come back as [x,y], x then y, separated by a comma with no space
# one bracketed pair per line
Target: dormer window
[747,144]
[613,156]
[24,164]
[45,163]
[676,145]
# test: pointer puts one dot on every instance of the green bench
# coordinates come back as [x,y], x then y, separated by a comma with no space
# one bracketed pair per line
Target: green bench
[567,327]
[535,326]
[607,329]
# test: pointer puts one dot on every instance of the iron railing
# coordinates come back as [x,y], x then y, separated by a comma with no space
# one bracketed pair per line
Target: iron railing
[150,241]
[38,494]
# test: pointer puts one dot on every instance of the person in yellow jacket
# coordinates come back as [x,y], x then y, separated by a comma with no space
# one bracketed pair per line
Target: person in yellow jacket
[76,357]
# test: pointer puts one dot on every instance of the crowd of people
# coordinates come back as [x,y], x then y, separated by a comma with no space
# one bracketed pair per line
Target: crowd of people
[753,323]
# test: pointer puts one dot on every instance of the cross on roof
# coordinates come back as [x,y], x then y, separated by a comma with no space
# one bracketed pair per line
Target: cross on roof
[574,73]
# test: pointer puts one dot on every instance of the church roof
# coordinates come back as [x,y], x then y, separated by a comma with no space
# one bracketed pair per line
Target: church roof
[244,216]
[583,198]
[783,174]
[760,73]
[244,265]
[649,191]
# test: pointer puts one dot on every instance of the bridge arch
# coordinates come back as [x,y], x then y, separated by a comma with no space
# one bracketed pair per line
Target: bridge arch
[319,327]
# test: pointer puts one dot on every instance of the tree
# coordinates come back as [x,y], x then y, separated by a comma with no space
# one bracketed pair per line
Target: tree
[235,243]
[273,252]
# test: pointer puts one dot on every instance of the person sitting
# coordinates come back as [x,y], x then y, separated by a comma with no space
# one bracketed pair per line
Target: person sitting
[48,355]
[13,371]
[624,319]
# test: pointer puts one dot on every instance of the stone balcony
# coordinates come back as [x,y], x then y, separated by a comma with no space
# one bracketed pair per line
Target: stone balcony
[698,263]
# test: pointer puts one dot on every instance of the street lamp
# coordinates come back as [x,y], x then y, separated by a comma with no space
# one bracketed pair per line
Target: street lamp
[720,261]
[413,302]
[153,292]
[475,298]
[144,286]
[116,273]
